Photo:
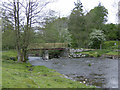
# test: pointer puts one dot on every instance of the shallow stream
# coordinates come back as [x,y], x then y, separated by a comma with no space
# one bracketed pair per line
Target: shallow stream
[101,72]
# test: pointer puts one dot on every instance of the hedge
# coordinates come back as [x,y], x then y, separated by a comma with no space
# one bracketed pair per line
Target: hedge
[111,44]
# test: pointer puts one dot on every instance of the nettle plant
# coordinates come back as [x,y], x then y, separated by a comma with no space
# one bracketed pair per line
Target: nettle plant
[96,38]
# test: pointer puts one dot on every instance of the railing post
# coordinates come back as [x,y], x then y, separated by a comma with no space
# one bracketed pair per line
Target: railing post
[54,45]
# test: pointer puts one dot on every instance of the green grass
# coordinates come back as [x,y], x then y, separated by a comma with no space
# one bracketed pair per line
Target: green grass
[10,53]
[18,75]
[7,54]
[112,53]
[98,53]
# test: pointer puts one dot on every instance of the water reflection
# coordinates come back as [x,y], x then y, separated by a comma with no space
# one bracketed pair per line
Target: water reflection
[93,71]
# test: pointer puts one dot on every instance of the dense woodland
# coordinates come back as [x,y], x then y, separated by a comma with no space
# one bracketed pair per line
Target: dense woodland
[79,29]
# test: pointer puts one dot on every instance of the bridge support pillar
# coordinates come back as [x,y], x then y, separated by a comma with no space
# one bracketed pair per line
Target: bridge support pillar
[66,53]
[46,55]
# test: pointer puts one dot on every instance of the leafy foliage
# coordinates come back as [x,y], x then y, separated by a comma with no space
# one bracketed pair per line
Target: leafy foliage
[96,38]
[8,39]
[56,31]
[75,31]
[76,26]
[111,31]
[111,44]
[97,17]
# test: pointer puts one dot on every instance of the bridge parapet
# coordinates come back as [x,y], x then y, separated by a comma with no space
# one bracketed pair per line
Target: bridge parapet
[47,45]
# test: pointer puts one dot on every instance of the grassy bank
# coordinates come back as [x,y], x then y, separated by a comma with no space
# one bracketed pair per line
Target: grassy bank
[98,52]
[108,48]
[24,75]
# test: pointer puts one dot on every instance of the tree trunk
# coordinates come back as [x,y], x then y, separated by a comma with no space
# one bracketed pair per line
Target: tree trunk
[19,56]
[101,46]
[25,58]
[22,55]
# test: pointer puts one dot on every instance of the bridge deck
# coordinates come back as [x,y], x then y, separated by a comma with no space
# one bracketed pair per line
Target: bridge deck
[48,46]
[47,49]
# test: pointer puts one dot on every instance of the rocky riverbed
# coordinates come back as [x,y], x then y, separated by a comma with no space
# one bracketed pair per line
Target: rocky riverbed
[101,72]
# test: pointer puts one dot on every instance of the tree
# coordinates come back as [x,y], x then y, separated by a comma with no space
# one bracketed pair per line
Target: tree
[51,31]
[56,30]
[8,34]
[96,38]
[8,39]
[111,31]
[118,12]
[23,15]
[6,24]
[1,36]
[76,26]
[97,17]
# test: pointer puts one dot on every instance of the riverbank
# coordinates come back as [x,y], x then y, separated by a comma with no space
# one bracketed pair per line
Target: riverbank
[24,75]
[105,53]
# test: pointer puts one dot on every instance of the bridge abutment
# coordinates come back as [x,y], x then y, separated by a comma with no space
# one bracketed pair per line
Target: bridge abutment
[45,55]
[48,54]
[65,52]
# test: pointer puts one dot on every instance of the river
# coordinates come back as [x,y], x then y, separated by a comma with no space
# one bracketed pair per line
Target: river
[101,72]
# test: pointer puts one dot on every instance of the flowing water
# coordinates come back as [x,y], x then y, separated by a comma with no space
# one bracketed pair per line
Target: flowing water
[101,72]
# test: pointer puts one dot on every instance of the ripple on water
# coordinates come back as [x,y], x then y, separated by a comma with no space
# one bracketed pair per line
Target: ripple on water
[100,73]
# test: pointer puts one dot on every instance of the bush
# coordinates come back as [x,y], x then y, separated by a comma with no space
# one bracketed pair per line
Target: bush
[110,44]
[96,37]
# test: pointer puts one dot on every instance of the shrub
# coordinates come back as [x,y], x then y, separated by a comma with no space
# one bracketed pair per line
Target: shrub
[96,38]
[111,44]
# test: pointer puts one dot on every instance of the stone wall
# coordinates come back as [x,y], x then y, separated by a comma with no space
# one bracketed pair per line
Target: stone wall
[76,53]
